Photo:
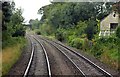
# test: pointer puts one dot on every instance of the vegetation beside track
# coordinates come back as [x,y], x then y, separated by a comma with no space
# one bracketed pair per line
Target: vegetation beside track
[78,25]
[13,32]
[11,54]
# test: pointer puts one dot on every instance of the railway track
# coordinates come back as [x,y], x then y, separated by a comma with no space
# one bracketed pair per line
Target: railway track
[80,73]
[73,55]
[87,60]
[50,72]
[26,73]
[30,60]
[46,56]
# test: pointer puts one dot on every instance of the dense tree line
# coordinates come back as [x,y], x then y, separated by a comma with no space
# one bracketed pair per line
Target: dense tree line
[12,22]
[67,15]
[78,25]
[34,24]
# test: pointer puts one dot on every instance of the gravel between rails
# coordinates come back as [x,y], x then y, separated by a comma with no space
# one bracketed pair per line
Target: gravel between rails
[82,64]
[60,65]
[115,73]
[40,67]
[112,71]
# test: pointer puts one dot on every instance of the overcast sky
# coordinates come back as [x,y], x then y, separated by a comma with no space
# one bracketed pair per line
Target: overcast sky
[31,7]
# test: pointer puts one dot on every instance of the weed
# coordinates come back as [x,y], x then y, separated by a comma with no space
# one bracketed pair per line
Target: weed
[11,54]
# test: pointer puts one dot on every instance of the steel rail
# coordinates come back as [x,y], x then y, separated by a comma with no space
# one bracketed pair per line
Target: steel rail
[67,58]
[30,60]
[86,59]
[83,57]
[46,56]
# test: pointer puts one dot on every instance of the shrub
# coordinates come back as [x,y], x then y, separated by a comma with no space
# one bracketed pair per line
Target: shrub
[91,29]
[47,29]
[77,42]
[80,28]
[102,40]
[118,32]
[59,36]
[38,32]
[70,38]
[106,40]
[11,54]
[97,50]
[19,33]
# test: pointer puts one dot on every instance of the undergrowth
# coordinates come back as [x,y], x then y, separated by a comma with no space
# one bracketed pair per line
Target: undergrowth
[11,54]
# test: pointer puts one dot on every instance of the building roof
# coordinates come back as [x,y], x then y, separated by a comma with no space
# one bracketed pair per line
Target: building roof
[109,14]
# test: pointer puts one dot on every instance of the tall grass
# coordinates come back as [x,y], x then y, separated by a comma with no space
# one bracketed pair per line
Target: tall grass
[11,54]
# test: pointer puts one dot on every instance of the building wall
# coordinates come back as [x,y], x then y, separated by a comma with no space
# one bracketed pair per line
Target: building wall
[105,23]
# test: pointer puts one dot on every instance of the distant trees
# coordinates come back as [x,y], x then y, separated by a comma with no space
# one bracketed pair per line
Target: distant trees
[34,24]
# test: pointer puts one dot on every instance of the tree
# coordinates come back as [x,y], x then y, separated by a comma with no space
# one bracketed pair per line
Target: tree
[7,13]
[64,15]
[12,23]
[12,20]
[80,28]
[30,22]
[17,23]
[34,24]
[90,29]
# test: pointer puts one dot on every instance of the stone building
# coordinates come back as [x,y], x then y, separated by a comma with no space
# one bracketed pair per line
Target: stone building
[108,24]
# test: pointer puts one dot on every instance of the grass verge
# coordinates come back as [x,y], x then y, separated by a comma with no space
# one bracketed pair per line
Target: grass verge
[11,54]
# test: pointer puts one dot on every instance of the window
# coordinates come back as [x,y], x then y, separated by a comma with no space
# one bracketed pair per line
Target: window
[114,14]
[113,26]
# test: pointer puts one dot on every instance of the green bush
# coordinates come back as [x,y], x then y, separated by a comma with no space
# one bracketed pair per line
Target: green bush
[59,36]
[38,32]
[69,35]
[47,29]
[106,44]
[118,32]
[70,38]
[77,43]
[97,50]
[12,41]
[80,28]
[18,33]
[106,40]
[91,29]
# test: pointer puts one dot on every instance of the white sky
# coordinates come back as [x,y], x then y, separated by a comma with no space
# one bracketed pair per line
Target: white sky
[31,7]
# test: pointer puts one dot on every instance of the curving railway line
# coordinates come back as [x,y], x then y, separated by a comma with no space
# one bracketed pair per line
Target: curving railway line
[44,57]
[60,60]
[62,66]
[53,72]
[85,66]
[28,70]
